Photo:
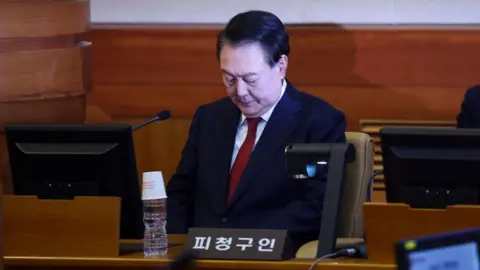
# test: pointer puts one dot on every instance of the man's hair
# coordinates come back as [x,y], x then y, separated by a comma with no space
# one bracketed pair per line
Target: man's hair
[260,27]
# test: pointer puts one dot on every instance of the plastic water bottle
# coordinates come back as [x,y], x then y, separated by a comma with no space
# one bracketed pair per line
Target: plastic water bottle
[155,242]
[155,219]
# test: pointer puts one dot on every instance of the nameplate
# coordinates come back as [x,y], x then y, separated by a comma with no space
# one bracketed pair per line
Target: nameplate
[239,244]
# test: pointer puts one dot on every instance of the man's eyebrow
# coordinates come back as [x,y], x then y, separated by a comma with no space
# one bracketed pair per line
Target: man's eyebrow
[224,71]
[240,75]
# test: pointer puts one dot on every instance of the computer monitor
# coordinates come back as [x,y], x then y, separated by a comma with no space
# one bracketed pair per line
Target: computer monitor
[63,161]
[451,250]
[431,167]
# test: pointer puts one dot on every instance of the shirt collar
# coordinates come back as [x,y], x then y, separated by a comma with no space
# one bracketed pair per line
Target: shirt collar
[268,113]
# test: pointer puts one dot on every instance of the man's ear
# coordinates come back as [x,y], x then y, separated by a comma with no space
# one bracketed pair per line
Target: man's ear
[282,65]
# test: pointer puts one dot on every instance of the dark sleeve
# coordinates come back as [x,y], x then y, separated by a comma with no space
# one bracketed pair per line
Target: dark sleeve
[467,118]
[181,187]
[302,216]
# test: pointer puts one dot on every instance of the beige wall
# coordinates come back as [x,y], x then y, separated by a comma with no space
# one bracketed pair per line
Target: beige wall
[304,11]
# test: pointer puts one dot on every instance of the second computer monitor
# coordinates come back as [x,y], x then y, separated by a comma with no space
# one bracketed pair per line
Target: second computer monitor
[431,167]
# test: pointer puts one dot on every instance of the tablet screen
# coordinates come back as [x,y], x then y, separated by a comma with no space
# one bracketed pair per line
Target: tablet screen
[462,257]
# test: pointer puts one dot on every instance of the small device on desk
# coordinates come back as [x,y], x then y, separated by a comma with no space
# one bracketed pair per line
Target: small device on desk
[431,167]
[64,161]
[454,250]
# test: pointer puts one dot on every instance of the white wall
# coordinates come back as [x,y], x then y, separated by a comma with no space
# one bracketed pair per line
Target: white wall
[289,11]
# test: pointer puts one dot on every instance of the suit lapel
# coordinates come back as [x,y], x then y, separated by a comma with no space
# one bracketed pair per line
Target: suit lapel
[225,132]
[280,125]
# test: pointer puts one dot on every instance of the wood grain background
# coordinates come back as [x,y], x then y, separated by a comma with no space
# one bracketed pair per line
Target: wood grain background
[369,72]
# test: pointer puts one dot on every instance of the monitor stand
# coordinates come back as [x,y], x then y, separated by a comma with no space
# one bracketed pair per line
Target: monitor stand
[437,198]
[65,190]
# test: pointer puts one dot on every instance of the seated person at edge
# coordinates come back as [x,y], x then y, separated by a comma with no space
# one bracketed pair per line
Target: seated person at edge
[232,170]
[469,116]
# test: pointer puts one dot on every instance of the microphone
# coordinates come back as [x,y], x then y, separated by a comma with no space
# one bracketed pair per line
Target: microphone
[163,115]
[183,261]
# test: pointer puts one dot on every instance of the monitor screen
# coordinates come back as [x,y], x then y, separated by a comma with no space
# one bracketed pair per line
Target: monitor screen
[64,161]
[456,257]
[429,167]
[452,250]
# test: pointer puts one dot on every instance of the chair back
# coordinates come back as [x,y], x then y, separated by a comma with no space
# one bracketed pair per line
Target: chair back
[357,187]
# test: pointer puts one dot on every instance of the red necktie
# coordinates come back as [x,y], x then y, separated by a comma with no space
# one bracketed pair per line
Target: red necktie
[243,156]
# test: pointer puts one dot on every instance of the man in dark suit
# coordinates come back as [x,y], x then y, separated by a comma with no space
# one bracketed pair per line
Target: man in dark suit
[232,171]
[469,116]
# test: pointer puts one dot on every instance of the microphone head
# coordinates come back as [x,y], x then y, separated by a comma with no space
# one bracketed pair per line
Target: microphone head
[163,115]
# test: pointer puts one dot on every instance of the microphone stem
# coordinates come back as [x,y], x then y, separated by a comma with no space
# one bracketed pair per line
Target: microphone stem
[145,123]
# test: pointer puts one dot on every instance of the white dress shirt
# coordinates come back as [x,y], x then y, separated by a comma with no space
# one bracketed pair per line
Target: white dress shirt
[242,128]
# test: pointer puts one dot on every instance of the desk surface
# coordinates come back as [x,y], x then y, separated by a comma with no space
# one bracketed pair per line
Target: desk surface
[137,261]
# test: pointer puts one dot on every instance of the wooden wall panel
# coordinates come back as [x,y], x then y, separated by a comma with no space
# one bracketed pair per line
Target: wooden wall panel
[369,72]
[320,55]
[383,72]
[158,146]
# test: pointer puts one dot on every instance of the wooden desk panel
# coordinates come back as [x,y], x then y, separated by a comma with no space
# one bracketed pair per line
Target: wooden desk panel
[136,261]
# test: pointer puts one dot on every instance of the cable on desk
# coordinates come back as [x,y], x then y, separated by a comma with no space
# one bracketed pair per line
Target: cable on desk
[343,252]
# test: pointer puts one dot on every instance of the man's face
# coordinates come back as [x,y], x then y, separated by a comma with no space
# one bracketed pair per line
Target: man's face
[251,83]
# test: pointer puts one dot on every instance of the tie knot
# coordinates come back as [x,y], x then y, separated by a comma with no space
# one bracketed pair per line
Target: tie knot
[253,122]
[252,125]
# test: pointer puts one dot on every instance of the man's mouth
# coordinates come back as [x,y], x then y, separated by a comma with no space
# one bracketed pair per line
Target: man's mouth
[246,103]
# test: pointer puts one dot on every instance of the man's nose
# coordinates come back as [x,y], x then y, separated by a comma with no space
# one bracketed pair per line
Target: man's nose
[241,88]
